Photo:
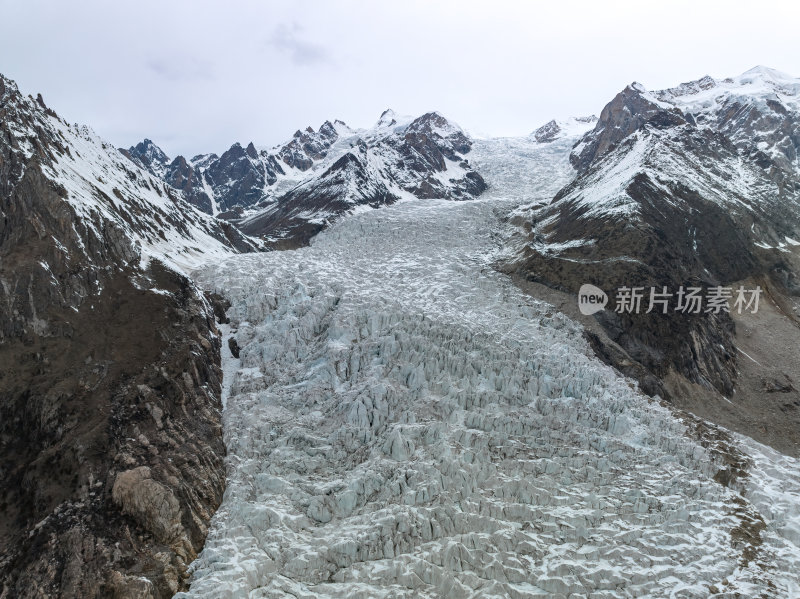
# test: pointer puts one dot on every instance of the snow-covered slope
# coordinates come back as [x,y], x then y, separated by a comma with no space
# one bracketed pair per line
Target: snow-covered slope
[106,190]
[759,109]
[402,421]
[98,182]
[697,159]
[571,127]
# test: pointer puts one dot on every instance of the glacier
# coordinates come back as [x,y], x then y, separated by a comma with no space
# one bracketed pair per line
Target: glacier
[402,421]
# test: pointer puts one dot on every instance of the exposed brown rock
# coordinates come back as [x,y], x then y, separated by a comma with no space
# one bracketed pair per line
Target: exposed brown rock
[111,452]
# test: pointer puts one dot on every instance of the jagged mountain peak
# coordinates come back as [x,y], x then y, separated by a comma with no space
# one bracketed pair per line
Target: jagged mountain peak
[732,142]
[147,144]
[149,156]
[558,129]
[307,147]
[430,123]
[327,129]
[387,118]
[434,123]
[400,156]
[630,109]
[8,88]
[757,111]
[390,121]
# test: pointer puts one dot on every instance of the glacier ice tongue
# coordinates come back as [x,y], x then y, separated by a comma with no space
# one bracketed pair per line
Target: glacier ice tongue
[404,422]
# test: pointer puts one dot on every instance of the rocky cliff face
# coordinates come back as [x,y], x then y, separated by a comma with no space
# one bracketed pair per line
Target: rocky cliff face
[309,145]
[111,454]
[696,187]
[630,110]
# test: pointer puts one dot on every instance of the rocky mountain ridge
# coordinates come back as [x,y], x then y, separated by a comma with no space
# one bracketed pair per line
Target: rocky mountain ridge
[110,436]
[694,186]
[287,194]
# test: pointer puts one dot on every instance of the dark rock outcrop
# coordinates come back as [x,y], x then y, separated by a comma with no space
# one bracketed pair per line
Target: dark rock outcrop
[238,177]
[553,130]
[547,132]
[189,179]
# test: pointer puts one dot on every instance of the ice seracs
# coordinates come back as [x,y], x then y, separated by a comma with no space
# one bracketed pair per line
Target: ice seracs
[404,422]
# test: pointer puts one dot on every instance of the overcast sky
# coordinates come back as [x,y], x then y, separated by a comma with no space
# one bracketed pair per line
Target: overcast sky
[197,76]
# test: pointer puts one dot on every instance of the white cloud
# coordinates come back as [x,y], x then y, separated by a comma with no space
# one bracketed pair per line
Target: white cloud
[287,39]
[197,76]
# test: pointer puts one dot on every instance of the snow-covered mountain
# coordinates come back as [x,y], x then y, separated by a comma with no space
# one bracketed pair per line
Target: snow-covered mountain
[105,191]
[559,129]
[759,109]
[698,185]
[288,193]
[149,156]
